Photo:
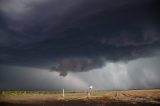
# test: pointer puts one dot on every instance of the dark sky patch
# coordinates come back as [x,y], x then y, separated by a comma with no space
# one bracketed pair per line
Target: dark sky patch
[77,35]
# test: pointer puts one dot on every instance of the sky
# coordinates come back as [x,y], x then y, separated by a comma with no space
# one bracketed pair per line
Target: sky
[72,44]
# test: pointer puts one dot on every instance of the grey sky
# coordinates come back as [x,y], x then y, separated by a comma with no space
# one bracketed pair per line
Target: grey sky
[136,74]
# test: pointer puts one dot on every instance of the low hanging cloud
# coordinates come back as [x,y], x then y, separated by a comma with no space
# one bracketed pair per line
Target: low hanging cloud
[77,36]
[77,65]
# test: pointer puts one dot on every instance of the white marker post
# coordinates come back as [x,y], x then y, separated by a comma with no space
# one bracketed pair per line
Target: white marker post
[63,93]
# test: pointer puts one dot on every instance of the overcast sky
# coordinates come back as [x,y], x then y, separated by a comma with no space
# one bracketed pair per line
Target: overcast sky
[71,44]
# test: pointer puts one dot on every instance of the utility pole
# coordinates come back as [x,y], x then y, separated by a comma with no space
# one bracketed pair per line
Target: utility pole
[63,93]
[89,91]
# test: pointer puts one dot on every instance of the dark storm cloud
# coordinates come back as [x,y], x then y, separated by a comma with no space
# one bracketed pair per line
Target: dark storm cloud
[77,35]
[77,65]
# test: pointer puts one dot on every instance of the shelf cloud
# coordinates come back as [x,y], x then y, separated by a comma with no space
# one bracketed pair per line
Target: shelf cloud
[77,35]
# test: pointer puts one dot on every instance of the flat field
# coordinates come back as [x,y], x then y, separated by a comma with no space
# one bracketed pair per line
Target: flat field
[79,98]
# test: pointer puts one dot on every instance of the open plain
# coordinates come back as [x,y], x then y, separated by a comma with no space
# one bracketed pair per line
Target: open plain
[79,98]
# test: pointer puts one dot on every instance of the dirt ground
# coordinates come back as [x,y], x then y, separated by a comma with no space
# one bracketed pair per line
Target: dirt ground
[98,98]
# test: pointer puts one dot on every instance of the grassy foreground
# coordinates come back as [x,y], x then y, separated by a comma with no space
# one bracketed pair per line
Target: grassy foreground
[79,98]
